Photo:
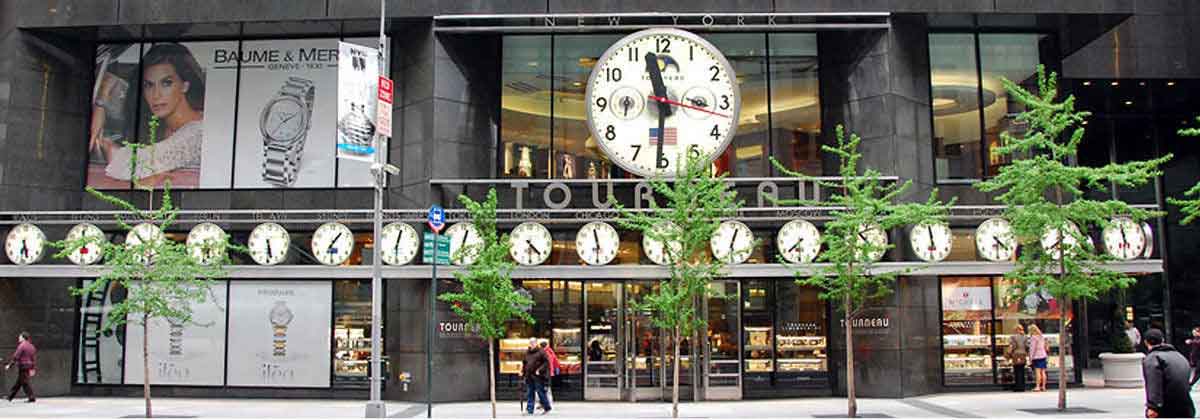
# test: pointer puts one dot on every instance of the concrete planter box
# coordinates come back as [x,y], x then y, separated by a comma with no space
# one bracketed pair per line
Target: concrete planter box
[1122,370]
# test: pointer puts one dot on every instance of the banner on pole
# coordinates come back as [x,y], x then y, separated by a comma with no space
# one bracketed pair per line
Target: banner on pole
[358,77]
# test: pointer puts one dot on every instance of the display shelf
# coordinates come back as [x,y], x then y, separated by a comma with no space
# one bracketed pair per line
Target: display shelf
[802,365]
[756,347]
[758,365]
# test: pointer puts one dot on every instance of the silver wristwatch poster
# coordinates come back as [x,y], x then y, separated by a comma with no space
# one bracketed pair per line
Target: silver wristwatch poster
[358,78]
[182,353]
[282,337]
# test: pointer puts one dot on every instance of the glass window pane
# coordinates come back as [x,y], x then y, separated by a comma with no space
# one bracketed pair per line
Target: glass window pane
[1011,56]
[795,102]
[525,107]
[757,327]
[747,153]
[352,333]
[801,343]
[576,153]
[1038,309]
[955,94]
[967,330]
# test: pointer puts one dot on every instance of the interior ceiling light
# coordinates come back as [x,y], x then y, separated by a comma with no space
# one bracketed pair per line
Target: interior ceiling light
[1170,83]
[1115,83]
[1128,102]
[1087,83]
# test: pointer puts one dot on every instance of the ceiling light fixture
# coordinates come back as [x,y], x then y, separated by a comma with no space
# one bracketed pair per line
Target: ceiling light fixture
[1087,83]
[1115,83]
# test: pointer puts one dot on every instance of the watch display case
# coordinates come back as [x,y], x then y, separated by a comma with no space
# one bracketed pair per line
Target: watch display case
[567,348]
[352,344]
[801,353]
[758,349]
[512,354]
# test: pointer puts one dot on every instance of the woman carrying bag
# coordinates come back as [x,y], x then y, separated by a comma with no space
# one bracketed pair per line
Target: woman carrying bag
[1017,352]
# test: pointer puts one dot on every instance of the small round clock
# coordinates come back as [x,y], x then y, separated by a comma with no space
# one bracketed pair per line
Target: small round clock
[25,244]
[874,235]
[597,243]
[269,243]
[90,253]
[732,243]
[931,241]
[465,243]
[1124,239]
[798,241]
[994,240]
[332,243]
[399,243]
[530,243]
[658,95]
[142,234]
[656,251]
[1054,242]
[206,242]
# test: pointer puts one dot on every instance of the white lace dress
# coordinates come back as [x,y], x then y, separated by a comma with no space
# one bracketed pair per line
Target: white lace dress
[181,150]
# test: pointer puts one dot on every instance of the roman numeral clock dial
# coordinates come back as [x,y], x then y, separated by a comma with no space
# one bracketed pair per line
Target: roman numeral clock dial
[659,95]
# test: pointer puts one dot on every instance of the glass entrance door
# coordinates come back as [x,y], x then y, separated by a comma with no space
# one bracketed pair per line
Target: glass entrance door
[643,344]
[722,365]
[604,356]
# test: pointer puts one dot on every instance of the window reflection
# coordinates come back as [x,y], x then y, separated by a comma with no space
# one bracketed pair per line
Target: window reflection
[748,151]
[576,153]
[795,102]
[525,102]
[955,96]
[1011,56]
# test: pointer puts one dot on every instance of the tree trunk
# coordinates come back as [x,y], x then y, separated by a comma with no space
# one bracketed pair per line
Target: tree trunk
[492,374]
[146,362]
[1063,309]
[675,383]
[851,401]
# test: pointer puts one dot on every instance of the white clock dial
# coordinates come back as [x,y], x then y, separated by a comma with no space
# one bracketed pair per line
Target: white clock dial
[1124,239]
[798,241]
[142,234]
[656,251]
[25,244]
[732,243]
[206,243]
[931,241]
[597,243]
[90,253]
[269,243]
[465,243]
[530,243]
[399,243]
[659,94]
[994,240]
[1055,242]
[874,235]
[332,243]
[1149,240]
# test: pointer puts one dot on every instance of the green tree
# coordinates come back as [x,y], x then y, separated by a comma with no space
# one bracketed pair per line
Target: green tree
[1190,207]
[695,204]
[488,300]
[161,277]
[849,275]
[1045,196]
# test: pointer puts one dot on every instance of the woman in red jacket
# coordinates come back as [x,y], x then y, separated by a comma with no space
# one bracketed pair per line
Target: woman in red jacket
[26,359]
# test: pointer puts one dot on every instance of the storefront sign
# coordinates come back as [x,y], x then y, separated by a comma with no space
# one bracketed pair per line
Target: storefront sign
[280,335]
[181,353]
[633,21]
[454,329]
[966,298]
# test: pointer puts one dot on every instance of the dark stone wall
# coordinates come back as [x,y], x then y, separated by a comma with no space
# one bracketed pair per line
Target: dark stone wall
[459,364]
[45,309]
[1156,42]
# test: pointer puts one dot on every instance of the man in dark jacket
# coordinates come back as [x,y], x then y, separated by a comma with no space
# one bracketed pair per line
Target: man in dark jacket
[26,359]
[1166,373]
[535,371]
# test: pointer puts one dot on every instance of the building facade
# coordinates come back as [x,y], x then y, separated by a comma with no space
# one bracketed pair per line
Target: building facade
[490,94]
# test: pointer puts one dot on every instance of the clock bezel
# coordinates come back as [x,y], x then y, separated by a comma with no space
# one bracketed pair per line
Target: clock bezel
[312,244]
[1011,235]
[949,245]
[76,257]
[287,244]
[616,246]
[780,246]
[1136,226]
[41,245]
[403,226]
[728,259]
[512,249]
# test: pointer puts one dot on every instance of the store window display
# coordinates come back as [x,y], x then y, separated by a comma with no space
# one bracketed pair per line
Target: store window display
[786,330]
[352,333]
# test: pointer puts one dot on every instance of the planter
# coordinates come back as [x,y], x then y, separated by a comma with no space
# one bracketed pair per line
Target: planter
[1122,370]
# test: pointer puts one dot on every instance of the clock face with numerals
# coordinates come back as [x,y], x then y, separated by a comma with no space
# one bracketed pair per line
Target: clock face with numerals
[332,243]
[874,235]
[25,244]
[465,243]
[659,95]
[798,241]
[931,241]
[994,240]
[530,243]
[733,242]
[1054,242]
[269,243]
[1124,239]
[400,243]
[90,253]
[656,250]
[142,234]
[597,243]
[206,242]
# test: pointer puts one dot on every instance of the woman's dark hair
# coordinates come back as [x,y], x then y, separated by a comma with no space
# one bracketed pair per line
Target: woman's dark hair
[186,66]
[25,335]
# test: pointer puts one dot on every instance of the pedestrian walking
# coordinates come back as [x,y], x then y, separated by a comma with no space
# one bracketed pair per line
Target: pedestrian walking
[1018,354]
[535,372]
[1166,373]
[1194,356]
[1037,357]
[25,357]
[554,368]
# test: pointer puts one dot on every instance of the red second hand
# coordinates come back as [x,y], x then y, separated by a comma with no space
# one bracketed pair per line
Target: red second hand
[668,101]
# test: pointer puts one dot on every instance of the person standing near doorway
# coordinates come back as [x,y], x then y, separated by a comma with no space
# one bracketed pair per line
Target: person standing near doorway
[25,357]
[1037,357]
[1194,355]
[534,371]
[1018,353]
[1166,374]
[553,368]
[1135,336]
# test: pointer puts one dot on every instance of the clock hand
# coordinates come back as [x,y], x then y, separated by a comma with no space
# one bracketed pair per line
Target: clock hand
[1124,241]
[285,120]
[668,101]
[1000,244]
[732,240]
[931,245]
[24,249]
[664,109]
[626,103]
[596,236]
[269,253]
[799,241]
[533,248]
[464,239]
[396,248]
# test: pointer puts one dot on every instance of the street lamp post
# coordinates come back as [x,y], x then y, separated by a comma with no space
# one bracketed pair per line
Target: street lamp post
[380,169]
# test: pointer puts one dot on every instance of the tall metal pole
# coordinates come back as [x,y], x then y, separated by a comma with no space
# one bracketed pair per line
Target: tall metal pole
[376,407]
[430,331]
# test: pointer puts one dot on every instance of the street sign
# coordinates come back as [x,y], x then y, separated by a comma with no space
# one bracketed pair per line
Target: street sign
[437,218]
[443,249]
[383,108]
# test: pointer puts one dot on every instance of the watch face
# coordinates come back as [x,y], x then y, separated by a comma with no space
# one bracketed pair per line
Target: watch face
[143,234]
[1054,242]
[269,243]
[91,252]
[332,243]
[597,243]
[465,243]
[206,243]
[994,240]
[658,95]
[530,243]
[654,248]
[284,119]
[874,235]
[25,244]
[400,243]
[798,241]
[1124,239]
[931,241]
[280,314]
[1149,240]
[732,243]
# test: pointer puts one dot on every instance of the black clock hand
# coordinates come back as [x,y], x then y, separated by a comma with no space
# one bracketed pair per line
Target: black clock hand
[1123,240]
[664,109]
[733,239]
[799,241]
[1000,244]
[24,249]
[396,248]
[329,249]
[464,240]
[626,103]
[269,253]
[596,236]
[285,120]
[931,245]
[533,248]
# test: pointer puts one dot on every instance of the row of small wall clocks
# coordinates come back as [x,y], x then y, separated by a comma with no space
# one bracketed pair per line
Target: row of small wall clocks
[597,243]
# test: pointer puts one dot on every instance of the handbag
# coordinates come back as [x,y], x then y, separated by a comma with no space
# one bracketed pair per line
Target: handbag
[32,372]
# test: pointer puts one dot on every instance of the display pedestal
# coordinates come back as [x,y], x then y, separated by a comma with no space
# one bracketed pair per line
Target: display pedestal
[1122,370]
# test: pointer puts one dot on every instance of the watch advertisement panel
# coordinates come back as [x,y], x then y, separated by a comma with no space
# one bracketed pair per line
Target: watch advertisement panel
[182,353]
[358,79]
[286,130]
[189,88]
[352,172]
[282,334]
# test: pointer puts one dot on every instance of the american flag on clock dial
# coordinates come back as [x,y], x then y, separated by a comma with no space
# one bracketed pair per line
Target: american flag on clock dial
[671,134]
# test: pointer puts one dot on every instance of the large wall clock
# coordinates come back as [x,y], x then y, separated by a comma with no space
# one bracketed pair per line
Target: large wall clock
[659,94]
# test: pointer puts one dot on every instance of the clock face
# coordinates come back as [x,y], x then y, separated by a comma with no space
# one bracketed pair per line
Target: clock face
[1124,239]
[1055,242]
[465,243]
[733,242]
[995,241]
[656,251]
[269,243]
[660,94]
[597,243]
[530,243]
[798,241]
[91,252]
[874,235]
[1149,240]
[206,243]
[332,243]
[400,243]
[142,234]
[931,241]
[25,244]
